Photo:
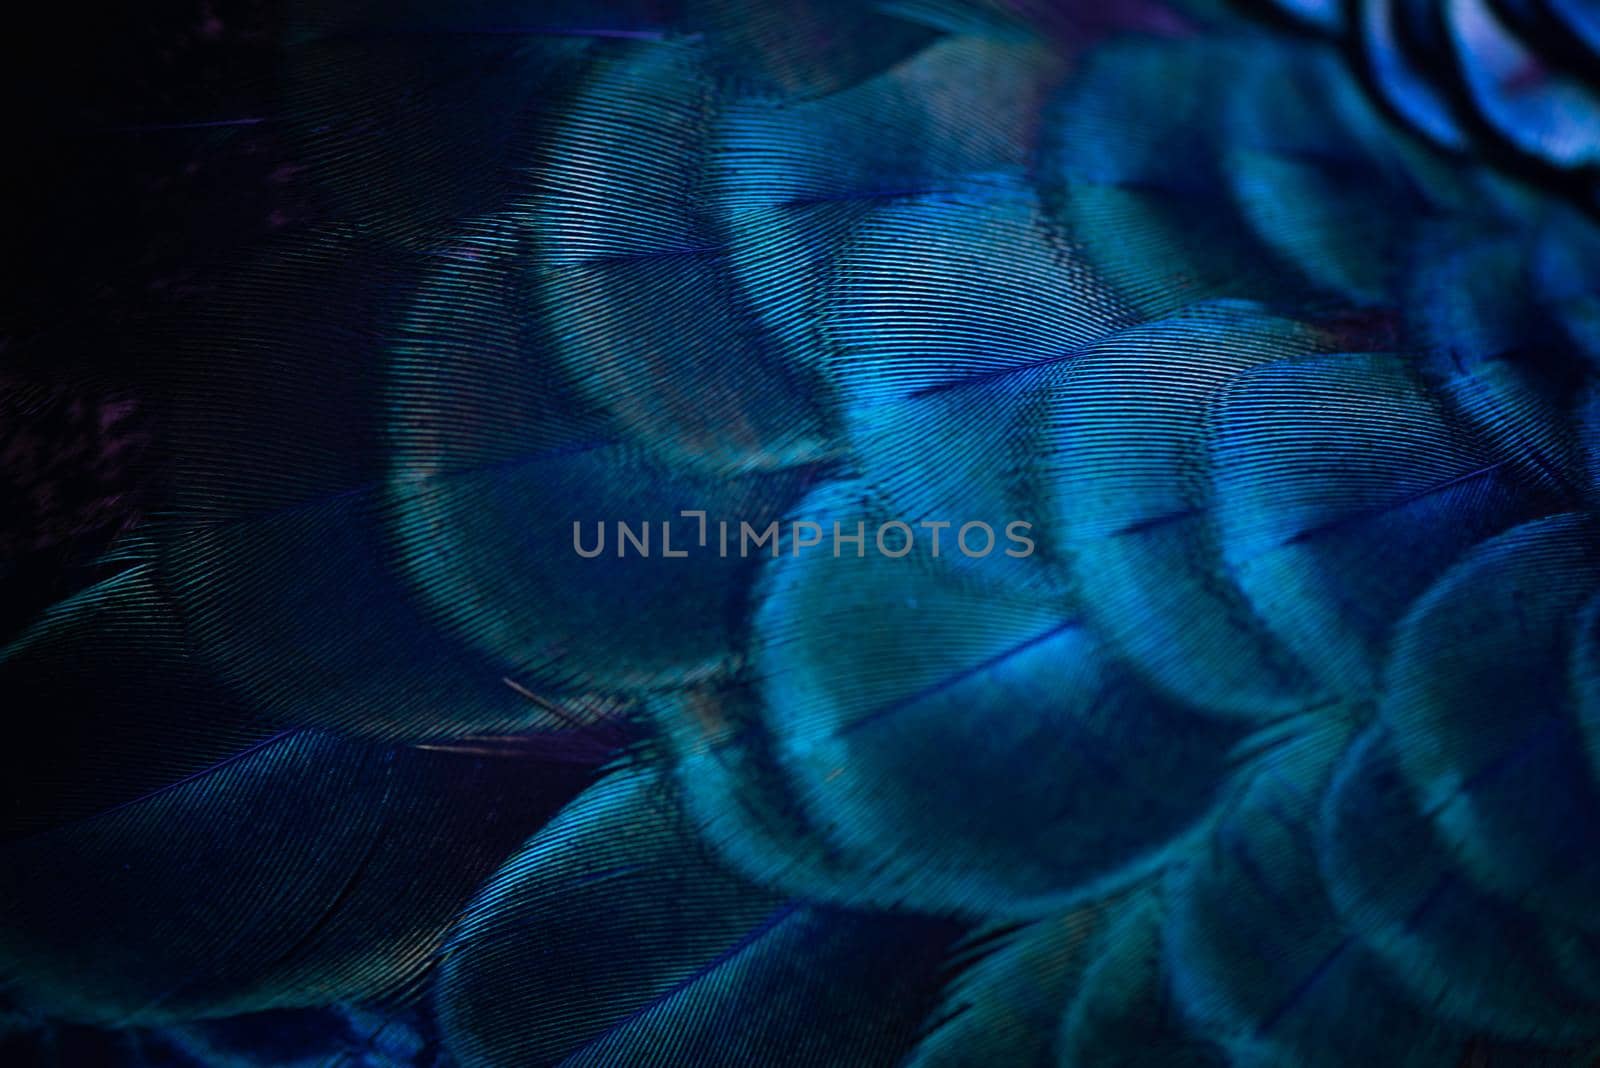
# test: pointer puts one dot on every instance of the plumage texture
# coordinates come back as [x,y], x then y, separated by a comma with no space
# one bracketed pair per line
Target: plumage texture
[1277,329]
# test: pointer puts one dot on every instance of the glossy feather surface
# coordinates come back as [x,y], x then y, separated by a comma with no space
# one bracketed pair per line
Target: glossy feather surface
[520,606]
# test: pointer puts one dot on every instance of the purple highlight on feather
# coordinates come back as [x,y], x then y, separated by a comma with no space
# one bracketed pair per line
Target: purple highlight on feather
[226,762]
[952,680]
[1383,509]
[771,923]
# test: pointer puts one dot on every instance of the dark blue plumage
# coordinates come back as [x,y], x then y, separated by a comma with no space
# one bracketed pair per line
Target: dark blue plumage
[1269,330]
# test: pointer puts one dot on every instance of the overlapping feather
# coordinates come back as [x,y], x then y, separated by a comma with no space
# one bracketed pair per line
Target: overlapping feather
[1281,747]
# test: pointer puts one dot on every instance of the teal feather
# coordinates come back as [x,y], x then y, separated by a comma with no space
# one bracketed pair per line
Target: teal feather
[644,949]
[1276,329]
[214,896]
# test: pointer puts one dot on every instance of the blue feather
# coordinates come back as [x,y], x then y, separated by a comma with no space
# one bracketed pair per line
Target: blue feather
[1256,344]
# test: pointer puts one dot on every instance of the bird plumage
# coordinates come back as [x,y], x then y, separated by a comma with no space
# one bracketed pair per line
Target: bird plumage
[1276,327]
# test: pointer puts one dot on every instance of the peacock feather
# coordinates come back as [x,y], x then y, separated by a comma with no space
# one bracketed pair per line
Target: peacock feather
[812,533]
